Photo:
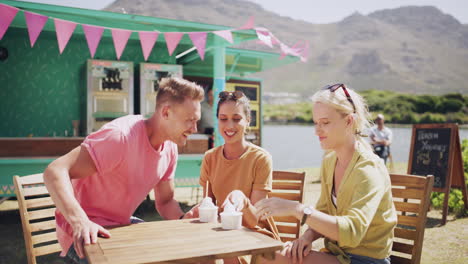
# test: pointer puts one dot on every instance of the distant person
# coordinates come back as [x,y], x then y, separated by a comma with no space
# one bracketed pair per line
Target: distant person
[381,138]
[206,123]
[102,182]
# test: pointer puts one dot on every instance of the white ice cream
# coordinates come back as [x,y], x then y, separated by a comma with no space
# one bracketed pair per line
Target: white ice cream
[229,208]
[207,203]
[230,218]
[208,211]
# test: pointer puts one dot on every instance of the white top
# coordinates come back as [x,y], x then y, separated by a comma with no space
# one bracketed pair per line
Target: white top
[206,116]
[334,199]
[384,134]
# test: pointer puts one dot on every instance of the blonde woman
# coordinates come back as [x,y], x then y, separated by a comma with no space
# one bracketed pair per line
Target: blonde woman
[355,212]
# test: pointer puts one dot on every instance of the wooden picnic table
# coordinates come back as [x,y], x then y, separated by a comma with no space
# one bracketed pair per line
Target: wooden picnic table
[179,241]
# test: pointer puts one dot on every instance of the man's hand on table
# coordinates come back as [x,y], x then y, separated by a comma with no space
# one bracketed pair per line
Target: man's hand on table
[193,213]
[86,232]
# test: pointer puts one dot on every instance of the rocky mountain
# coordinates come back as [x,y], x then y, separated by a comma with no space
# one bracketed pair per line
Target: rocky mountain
[415,49]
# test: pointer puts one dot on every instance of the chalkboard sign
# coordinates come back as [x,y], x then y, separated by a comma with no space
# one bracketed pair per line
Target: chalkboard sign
[435,150]
[431,154]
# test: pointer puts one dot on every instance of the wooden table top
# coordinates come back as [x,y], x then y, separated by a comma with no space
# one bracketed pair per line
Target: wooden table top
[178,241]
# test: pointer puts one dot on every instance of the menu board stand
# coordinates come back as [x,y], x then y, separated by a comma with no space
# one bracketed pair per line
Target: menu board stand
[435,150]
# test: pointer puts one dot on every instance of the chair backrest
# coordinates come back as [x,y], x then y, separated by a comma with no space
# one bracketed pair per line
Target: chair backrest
[288,185]
[411,196]
[37,212]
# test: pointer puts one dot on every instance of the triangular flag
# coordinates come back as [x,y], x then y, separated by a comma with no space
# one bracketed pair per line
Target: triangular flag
[199,41]
[64,30]
[274,39]
[172,40]
[264,36]
[147,40]
[93,36]
[225,34]
[249,24]
[286,50]
[7,14]
[305,52]
[35,24]
[120,38]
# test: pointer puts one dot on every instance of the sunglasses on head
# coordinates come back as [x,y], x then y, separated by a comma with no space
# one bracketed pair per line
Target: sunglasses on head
[234,95]
[337,86]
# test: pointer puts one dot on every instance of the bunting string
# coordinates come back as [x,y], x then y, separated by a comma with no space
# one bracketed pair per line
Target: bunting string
[64,30]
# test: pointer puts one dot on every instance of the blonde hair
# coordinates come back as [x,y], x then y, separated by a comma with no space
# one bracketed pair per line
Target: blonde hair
[338,101]
[176,90]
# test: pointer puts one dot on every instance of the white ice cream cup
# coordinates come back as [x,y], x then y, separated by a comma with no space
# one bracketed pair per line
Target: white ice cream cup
[208,214]
[231,220]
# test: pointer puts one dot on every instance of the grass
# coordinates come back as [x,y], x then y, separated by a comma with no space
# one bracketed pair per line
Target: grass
[442,244]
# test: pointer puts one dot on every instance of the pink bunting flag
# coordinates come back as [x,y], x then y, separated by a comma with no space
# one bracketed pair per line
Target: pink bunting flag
[305,52]
[7,14]
[286,50]
[199,41]
[274,40]
[120,38]
[35,23]
[147,40]
[249,24]
[64,29]
[264,36]
[172,40]
[225,34]
[93,36]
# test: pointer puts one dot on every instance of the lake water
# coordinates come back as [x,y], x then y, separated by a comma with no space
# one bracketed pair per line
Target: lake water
[295,146]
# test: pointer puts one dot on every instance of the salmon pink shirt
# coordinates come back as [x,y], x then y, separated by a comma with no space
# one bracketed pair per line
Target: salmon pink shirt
[127,166]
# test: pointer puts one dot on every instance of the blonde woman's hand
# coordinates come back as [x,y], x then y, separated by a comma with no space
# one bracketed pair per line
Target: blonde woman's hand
[278,207]
[298,249]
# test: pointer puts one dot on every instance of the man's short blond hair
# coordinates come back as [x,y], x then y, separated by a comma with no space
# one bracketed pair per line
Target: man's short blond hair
[176,90]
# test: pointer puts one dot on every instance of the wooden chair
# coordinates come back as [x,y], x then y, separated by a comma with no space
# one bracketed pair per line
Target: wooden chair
[411,195]
[37,212]
[288,185]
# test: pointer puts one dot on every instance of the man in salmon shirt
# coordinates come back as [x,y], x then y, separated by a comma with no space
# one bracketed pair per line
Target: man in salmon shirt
[102,182]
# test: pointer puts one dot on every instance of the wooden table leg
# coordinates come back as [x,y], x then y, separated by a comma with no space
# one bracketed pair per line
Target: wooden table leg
[257,258]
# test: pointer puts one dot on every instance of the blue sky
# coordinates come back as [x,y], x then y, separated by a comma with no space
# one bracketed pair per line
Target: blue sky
[314,11]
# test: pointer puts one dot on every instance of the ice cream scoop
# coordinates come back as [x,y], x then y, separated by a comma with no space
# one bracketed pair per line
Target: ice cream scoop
[230,218]
[208,211]
[207,202]
[229,208]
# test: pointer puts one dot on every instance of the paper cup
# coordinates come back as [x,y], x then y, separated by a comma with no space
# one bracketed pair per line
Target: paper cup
[231,221]
[208,215]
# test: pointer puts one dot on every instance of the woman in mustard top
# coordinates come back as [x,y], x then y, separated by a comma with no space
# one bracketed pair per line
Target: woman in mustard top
[355,211]
[238,170]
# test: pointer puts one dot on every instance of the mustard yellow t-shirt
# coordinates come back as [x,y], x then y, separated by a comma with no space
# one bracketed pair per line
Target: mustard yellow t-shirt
[365,211]
[251,171]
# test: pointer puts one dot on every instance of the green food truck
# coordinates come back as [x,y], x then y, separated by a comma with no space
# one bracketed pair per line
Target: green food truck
[52,96]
